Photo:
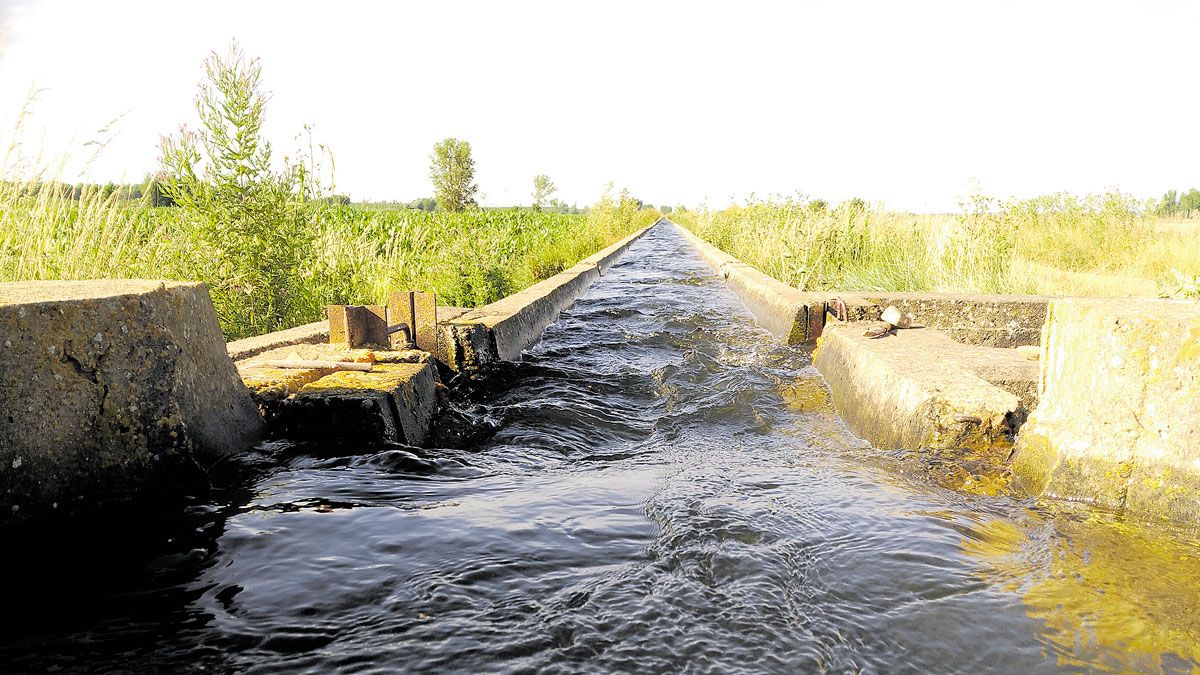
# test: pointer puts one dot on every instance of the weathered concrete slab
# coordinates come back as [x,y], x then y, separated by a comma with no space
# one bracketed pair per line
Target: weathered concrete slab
[394,402]
[919,389]
[110,387]
[1119,416]
[310,333]
[270,386]
[506,328]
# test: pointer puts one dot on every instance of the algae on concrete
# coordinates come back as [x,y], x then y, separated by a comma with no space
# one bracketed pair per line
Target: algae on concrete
[394,402]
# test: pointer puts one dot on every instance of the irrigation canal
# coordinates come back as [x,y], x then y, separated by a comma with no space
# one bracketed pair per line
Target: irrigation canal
[658,487]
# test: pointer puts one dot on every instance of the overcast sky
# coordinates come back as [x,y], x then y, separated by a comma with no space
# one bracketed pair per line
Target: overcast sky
[683,102]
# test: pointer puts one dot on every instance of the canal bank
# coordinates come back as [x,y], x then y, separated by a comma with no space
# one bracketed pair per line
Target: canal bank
[1110,395]
[114,389]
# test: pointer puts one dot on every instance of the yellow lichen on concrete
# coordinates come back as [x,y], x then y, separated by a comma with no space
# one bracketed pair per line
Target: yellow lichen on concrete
[384,377]
[1118,417]
[807,395]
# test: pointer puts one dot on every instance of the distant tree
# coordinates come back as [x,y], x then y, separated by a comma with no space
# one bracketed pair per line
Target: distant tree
[453,173]
[1168,205]
[422,204]
[665,209]
[543,187]
[1190,202]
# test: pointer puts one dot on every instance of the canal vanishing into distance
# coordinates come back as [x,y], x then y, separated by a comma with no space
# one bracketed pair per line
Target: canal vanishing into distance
[658,487]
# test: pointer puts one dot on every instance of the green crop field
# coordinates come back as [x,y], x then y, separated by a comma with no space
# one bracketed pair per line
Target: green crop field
[263,280]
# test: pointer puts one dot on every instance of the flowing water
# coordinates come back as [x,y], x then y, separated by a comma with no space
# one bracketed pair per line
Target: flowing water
[658,487]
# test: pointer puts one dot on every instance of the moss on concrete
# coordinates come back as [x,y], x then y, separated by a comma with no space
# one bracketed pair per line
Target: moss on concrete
[1118,418]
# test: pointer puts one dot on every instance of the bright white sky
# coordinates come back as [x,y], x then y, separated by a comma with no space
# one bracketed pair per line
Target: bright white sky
[683,102]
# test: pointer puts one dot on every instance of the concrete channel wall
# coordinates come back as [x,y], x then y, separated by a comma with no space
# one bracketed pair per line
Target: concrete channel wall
[1119,421]
[108,388]
[951,385]
[797,317]
[504,329]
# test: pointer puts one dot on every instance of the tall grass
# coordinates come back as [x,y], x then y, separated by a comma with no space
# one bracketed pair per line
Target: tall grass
[355,256]
[1057,245]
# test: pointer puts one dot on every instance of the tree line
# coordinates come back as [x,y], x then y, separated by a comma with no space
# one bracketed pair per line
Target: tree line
[1175,204]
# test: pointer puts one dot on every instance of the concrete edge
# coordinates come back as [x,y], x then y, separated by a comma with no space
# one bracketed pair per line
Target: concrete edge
[899,394]
[504,329]
[309,333]
[887,408]
[791,315]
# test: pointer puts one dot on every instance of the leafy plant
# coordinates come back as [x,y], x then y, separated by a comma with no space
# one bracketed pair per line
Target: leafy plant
[255,223]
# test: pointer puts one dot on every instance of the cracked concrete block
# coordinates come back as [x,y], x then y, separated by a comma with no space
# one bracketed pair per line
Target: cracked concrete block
[108,387]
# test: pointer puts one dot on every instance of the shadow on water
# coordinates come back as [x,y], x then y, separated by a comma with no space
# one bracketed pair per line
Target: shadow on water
[657,487]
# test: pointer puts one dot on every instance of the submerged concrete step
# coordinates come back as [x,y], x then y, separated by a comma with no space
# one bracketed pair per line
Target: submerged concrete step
[395,402]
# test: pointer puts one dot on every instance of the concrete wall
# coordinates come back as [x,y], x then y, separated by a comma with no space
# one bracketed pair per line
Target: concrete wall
[975,319]
[506,328]
[952,385]
[1118,422]
[108,387]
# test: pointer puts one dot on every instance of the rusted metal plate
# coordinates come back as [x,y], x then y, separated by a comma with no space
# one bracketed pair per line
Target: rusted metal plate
[339,330]
[418,312]
[357,325]
[425,321]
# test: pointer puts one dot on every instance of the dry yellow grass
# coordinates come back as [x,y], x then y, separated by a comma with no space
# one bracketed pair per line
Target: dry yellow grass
[1099,245]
